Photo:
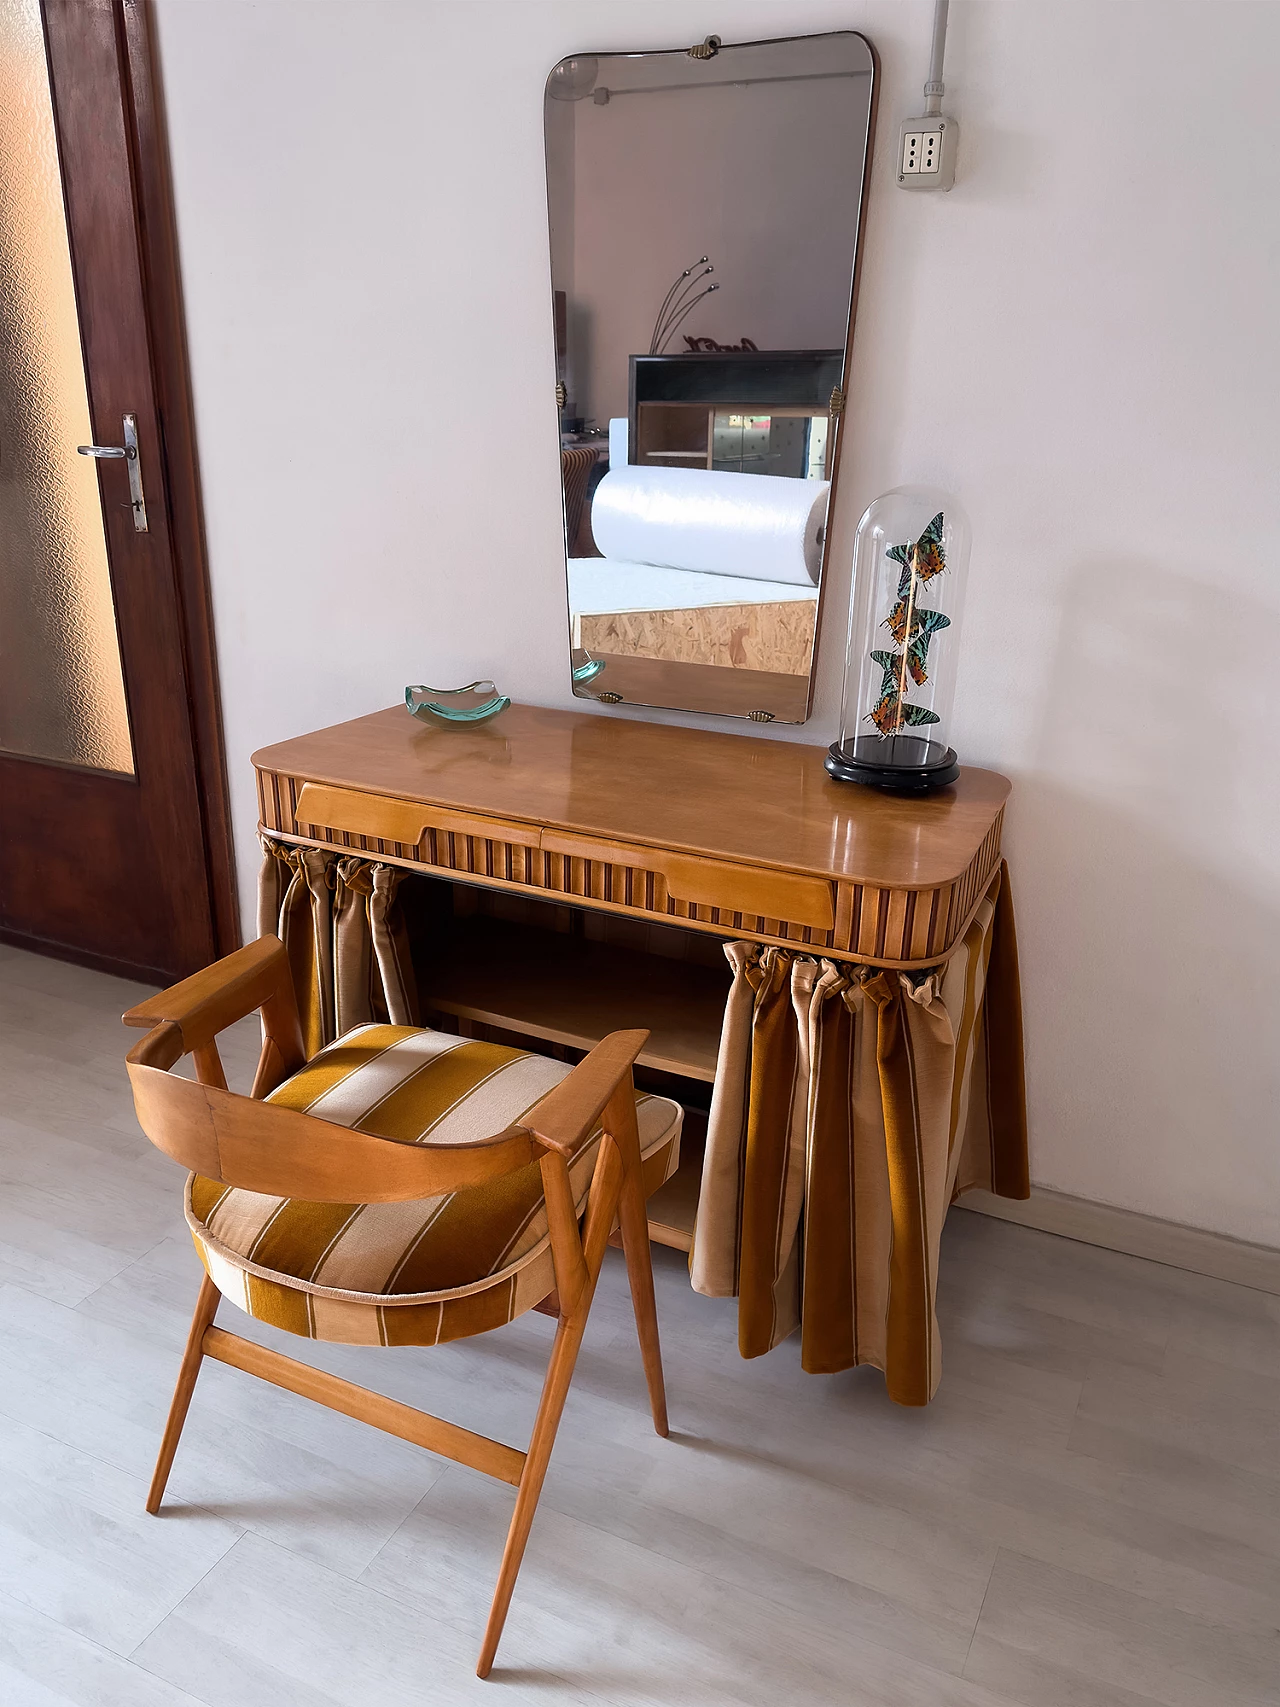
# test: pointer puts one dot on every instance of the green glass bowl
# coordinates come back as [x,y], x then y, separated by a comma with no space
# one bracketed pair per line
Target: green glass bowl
[475,703]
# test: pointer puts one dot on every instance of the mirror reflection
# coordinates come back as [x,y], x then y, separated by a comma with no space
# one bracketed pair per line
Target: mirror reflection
[704,225]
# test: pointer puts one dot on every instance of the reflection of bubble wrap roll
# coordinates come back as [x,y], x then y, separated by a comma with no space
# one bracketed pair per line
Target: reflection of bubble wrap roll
[763,526]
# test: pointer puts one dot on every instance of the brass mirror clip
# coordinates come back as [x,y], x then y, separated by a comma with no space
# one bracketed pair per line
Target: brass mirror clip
[562,395]
[760,716]
[835,408]
[707,49]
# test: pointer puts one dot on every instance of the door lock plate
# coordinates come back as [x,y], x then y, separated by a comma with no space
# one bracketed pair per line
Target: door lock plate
[129,452]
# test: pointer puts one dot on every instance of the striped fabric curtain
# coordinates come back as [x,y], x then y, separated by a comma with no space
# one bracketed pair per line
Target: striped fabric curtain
[851,1105]
[340,921]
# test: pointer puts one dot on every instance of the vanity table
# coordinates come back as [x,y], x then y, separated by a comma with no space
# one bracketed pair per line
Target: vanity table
[563,838]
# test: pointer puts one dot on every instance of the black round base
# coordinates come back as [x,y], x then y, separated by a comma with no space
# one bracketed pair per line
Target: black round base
[864,761]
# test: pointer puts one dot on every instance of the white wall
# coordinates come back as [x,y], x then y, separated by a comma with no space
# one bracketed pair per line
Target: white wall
[1079,341]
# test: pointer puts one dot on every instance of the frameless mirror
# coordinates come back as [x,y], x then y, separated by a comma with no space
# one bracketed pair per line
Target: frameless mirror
[705,207]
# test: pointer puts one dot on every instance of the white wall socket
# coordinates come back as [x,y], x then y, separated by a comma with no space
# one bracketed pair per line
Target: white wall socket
[927,153]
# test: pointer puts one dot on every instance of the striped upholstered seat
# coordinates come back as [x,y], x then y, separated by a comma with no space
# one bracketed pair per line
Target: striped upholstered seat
[417,1272]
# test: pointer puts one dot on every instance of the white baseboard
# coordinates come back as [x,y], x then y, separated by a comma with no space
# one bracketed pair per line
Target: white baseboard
[1136,1235]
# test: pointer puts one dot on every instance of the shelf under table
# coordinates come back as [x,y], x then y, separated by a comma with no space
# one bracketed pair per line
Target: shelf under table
[673,1208]
[566,989]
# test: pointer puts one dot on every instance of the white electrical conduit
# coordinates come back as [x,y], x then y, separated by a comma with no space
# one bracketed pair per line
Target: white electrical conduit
[934,89]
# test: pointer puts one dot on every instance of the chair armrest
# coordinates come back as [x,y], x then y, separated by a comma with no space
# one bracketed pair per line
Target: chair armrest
[201,1006]
[568,1115]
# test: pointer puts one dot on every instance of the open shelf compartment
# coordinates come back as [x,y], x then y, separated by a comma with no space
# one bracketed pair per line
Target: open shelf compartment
[559,986]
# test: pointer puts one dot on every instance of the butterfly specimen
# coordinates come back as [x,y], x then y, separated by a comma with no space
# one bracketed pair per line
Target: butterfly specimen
[890,712]
[923,560]
[891,664]
[892,715]
[904,616]
[922,625]
[913,629]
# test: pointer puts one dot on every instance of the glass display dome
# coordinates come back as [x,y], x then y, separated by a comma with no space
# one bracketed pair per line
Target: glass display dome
[910,559]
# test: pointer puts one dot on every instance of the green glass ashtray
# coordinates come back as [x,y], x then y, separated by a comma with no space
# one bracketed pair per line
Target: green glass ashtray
[583,667]
[475,703]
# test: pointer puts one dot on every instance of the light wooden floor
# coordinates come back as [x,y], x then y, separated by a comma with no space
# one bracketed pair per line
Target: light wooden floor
[1088,1514]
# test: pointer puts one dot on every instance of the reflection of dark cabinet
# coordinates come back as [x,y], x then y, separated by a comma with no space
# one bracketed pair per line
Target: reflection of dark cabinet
[749,412]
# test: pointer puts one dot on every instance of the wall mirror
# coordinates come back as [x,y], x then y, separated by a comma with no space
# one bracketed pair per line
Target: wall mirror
[705,207]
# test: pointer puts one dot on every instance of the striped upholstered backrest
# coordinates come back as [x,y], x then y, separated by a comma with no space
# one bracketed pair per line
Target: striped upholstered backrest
[258,1146]
[282,1152]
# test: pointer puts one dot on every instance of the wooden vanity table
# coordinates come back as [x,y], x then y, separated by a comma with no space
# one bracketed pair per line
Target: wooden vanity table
[732,837]
[727,834]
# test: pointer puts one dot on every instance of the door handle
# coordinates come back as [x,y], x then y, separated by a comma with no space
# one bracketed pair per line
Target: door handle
[129,452]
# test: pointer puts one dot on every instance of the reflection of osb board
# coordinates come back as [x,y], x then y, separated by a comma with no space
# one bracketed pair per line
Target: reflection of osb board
[701,687]
[774,637]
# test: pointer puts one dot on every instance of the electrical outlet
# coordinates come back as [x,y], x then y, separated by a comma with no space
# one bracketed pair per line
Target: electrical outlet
[917,151]
[927,154]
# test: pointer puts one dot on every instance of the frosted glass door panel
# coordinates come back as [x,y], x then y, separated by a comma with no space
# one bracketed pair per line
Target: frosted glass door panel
[61,684]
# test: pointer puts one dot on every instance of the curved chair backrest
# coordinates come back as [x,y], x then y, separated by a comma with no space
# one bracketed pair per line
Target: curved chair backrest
[243,1141]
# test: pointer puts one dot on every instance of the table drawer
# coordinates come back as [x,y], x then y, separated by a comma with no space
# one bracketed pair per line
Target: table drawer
[659,880]
[407,829]
[404,821]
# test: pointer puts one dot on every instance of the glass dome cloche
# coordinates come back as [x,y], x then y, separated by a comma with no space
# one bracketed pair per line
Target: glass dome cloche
[910,559]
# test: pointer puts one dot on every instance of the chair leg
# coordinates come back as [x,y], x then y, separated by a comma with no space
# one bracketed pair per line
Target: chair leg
[635,1245]
[555,1390]
[633,1216]
[602,1210]
[206,1305]
[617,1190]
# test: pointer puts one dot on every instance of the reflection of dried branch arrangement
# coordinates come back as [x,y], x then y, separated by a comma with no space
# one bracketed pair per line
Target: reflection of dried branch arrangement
[912,628]
[699,346]
[680,300]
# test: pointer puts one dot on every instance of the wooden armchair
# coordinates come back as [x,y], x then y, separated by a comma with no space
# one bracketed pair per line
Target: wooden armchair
[502,1150]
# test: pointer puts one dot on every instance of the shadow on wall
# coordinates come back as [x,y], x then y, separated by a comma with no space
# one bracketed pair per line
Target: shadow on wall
[1148,822]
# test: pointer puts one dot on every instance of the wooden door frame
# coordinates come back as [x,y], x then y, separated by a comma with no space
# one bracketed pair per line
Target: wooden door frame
[167,344]
[166,325]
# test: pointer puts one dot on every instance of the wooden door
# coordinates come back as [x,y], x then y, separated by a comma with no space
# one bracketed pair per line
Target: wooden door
[114,845]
